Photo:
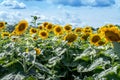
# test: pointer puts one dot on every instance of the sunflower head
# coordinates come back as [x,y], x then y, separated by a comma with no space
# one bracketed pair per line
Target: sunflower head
[2,25]
[49,27]
[43,34]
[45,24]
[21,27]
[33,31]
[5,34]
[68,28]
[35,38]
[70,37]
[100,43]
[40,27]
[84,37]
[58,30]
[94,38]
[38,51]
[78,30]
[112,34]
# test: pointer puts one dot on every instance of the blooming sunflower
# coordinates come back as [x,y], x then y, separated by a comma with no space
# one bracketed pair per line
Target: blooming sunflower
[84,37]
[112,34]
[70,37]
[87,31]
[94,38]
[49,27]
[43,34]
[100,43]
[21,27]
[33,31]
[5,34]
[45,24]
[68,28]
[38,51]
[58,30]
[40,27]
[78,30]
[2,25]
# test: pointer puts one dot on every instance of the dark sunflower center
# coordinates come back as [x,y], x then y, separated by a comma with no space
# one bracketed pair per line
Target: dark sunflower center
[78,30]
[95,39]
[45,24]
[34,31]
[101,43]
[67,28]
[58,29]
[49,26]
[43,34]
[1,24]
[71,38]
[6,34]
[21,27]
[112,36]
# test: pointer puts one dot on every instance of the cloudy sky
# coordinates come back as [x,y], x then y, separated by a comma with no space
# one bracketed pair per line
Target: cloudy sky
[76,12]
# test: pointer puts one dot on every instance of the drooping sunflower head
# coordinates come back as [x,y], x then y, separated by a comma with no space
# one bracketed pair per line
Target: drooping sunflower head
[38,51]
[112,34]
[94,38]
[78,30]
[2,25]
[5,34]
[70,37]
[58,30]
[21,27]
[49,27]
[33,31]
[45,24]
[68,28]
[43,34]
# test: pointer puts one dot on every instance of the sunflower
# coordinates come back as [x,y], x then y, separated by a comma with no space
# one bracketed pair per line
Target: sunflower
[84,37]
[38,51]
[43,34]
[68,28]
[112,34]
[5,34]
[70,37]
[88,27]
[21,27]
[78,30]
[58,30]
[49,27]
[35,38]
[87,31]
[40,27]
[45,24]
[33,31]
[100,43]
[94,38]
[2,25]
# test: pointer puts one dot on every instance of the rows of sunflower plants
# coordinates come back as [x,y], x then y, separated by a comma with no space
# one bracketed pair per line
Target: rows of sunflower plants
[55,52]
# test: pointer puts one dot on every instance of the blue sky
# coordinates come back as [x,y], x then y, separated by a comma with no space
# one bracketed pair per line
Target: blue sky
[76,12]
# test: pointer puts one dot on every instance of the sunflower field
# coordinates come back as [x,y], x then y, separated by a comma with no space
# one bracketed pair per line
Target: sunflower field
[54,52]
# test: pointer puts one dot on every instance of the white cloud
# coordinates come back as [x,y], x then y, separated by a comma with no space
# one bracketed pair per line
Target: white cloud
[11,17]
[76,3]
[13,4]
